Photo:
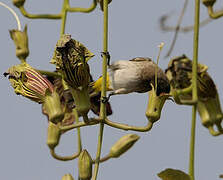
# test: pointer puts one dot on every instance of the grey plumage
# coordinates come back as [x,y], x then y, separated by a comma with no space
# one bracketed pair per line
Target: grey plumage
[136,75]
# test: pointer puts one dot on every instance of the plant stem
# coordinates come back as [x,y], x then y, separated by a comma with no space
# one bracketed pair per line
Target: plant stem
[129,128]
[64,16]
[192,143]
[39,16]
[214,15]
[14,14]
[103,92]
[64,158]
[77,125]
[194,84]
[83,10]
[78,131]
[105,158]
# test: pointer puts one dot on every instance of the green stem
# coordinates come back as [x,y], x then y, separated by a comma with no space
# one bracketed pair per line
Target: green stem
[103,92]
[192,143]
[83,10]
[77,125]
[214,15]
[64,158]
[64,16]
[194,84]
[107,157]
[129,128]
[39,16]
[78,131]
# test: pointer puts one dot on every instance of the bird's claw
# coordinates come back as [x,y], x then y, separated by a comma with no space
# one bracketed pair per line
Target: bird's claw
[108,56]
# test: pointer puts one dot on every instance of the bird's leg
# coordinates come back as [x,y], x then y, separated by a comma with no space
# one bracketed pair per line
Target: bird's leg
[107,54]
[106,99]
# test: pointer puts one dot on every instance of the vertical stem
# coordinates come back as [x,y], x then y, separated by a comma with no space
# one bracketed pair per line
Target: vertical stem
[194,90]
[192,142]
[78,131]
[103,91]
[195,49]
[64,16]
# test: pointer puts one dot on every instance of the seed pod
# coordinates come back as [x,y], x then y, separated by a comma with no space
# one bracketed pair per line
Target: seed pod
[18,3]
[85,165]
[53,135]
[208,3]
[21,41]
[123,145]
[67,177]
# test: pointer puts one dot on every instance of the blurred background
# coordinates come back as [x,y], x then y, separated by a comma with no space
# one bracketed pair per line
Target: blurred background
[133,31]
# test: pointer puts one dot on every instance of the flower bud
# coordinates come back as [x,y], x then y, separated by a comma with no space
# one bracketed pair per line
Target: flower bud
[85,165]
[53,135]
[208,3]
[18,3]
[67,177]
[21,41]
[123,145]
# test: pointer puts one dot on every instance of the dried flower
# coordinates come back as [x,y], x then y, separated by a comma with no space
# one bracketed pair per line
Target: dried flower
[70,58]
[179,72]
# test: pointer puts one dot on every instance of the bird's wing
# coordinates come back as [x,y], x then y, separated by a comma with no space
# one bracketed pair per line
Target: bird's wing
[141,59]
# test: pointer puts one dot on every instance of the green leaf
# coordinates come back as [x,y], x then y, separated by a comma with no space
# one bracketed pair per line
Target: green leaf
[173,174]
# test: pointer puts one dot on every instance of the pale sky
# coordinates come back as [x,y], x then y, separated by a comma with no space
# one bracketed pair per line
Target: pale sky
[133,32]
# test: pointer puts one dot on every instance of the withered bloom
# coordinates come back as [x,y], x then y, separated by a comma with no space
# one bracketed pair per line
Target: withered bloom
[68,103]
[70,58]
[179,72]
[31,84]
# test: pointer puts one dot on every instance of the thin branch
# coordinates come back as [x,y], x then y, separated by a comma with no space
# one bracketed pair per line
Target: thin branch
[64,158]
[177,28]
[14,14]
[185,29]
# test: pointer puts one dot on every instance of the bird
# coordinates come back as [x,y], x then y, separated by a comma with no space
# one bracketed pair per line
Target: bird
[135,75]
